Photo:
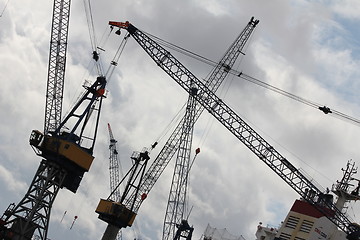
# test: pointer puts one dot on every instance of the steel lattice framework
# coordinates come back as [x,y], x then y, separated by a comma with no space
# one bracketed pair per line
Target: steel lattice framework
[176,203]
[114,167]
[240,129]
[66,151]
[176,206]
[37,202]
[112,232]
[213,82]
[33,211]
[57,62]
[58,169]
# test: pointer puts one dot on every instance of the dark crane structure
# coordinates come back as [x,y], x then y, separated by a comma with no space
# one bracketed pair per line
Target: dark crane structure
[67,155]
[120,214]
[57,64]
[65,146]
[137,195]
[176,225]
[114,168]
[241,130]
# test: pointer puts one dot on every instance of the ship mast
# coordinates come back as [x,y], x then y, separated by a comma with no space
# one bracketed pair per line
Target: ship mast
[342,188]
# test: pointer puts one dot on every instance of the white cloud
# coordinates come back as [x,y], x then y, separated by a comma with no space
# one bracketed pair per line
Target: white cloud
[10,181]
[347,9]
[292,48]
[217,8]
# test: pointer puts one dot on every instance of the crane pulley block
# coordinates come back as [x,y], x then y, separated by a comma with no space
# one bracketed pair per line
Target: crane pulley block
[115,213]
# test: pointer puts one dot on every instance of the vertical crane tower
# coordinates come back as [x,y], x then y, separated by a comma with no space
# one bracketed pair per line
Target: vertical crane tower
[176,206]
[174,216]
[66,155]
[114,167]
[53,110]
[113,232]
[57,63]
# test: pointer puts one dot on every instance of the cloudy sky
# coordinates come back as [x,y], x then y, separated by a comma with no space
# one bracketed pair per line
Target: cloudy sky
[309,48]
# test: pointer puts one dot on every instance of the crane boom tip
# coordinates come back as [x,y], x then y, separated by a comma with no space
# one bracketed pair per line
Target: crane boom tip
[119,24]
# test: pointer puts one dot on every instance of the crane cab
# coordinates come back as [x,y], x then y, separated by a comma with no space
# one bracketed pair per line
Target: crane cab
[36,138]
[57,146]
[67,151]
[115,213]
[64,151]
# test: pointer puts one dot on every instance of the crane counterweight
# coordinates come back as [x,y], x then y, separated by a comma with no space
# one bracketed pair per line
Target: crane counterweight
[115,213]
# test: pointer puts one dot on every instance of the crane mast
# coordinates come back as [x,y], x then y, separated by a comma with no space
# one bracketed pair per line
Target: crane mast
[342,187]
[57,63]
[213,82]
[114,167]
[66,154]
[174,216]
[121,214]
[177,197]
[112,232]
[241,130]
[31,214]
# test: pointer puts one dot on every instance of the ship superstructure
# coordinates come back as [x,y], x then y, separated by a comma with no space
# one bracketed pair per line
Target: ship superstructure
[305,222]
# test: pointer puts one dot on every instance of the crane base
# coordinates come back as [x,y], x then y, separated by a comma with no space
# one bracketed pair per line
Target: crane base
[115,213]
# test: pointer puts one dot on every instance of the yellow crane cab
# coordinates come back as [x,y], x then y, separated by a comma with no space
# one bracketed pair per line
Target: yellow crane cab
[115,213]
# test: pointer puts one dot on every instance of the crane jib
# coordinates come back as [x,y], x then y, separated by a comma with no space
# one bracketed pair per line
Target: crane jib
[238,127]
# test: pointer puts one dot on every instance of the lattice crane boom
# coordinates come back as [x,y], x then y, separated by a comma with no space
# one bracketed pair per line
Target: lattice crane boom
[30,206]
[240,129]
[57,63]
[113,232]
[67,154]
[213,82]
[114,167]
[175,225]
[133,199]
[178,190]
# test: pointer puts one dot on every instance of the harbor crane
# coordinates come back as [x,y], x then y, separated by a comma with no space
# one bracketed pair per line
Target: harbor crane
[175,225]
[114,166]
[53,106]
[136,195]
[112,231]
[67,155]
[121,214]
[241,130]
[65,146]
